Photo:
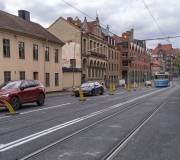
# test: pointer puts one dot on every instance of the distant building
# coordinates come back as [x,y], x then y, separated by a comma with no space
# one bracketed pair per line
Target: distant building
[136,58]
[29,51]
[86,50]
[114,72]
[165,54]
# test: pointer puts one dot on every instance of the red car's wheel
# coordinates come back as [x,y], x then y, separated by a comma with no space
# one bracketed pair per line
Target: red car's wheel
[15,103]
[41,99]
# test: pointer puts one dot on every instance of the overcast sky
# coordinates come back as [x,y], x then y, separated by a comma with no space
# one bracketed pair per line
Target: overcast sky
[120,15]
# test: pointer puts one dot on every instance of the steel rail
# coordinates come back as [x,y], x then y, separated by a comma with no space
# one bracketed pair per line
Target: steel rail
[49,120]
[52,145]
[114,151]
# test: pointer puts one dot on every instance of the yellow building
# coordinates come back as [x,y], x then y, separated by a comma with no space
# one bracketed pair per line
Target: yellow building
[29,51]
[85,55]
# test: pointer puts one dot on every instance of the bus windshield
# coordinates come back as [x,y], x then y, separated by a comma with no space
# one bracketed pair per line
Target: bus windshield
[161,76]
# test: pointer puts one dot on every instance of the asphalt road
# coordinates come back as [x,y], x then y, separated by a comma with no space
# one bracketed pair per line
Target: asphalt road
[62,115]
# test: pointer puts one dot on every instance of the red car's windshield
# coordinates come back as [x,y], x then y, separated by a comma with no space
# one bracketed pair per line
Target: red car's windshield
[10,85]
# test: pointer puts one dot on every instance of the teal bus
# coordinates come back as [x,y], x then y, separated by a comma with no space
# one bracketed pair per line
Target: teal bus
[162,79]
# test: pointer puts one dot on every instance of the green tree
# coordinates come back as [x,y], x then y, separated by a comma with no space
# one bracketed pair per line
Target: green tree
[177,61]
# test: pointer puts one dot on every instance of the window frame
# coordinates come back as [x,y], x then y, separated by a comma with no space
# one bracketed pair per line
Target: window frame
[22,75]
[21,50]
[35,52]
[6,47]
[7,76]
[56,79]
[47,53]
[47,79]
[56,56]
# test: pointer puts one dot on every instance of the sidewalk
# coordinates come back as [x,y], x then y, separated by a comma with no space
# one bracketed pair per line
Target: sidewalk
[59,93]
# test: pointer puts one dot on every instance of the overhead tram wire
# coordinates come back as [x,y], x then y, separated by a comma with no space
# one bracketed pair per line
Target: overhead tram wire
[150,39]
[87,15]
[156,22]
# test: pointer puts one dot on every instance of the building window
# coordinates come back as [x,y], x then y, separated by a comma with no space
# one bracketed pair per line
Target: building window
[35,52]
[35,75]
[47,53]
[125,45]
[56,79]
[73,62]
[47,80]
[56,56]
[6,47]
[21,50]
[7,76]
[22,75]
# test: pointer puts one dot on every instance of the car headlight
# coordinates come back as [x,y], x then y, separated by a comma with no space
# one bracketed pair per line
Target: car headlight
[4,95]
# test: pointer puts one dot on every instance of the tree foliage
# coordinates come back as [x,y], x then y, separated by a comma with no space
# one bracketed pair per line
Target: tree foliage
[177,61]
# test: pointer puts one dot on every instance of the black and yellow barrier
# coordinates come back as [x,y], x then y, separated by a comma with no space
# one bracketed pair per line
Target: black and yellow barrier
[73,91]
[125,87]
[111,90]
[114,87]
[81,95]
[10,108]
[129,88]
[139,86]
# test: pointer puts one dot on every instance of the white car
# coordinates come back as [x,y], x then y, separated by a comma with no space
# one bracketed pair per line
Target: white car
[147,83]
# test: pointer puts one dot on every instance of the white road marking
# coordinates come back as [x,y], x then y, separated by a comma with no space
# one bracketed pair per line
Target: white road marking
[42,109]
[29,138]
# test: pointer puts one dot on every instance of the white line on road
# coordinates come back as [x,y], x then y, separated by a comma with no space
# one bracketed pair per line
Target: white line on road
[42,109]
[29,138]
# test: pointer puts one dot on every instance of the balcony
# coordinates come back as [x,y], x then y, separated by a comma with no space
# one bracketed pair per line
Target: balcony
[95,55]
[125,68]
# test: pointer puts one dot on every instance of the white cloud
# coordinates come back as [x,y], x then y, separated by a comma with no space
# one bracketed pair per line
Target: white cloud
[120,15]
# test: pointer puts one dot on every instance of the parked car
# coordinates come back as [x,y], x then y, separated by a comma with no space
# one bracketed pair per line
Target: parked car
[22,91]
[147,83]
[90,88]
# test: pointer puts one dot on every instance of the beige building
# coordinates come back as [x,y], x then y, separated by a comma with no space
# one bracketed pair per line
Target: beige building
[85,53]
[71,51]
[29,51]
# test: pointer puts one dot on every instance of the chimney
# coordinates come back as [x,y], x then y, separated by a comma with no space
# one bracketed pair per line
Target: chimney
[24,15]
[159,45]
[70,19]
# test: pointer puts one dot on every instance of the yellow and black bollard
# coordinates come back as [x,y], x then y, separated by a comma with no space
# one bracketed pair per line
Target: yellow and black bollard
[139,86]
[129,88]
[146,85]
[125,87]
[81,95]
[73,91]
[114,87]
[111,90]
[10,108]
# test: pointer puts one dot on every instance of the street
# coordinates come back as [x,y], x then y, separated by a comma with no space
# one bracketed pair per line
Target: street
[142,124]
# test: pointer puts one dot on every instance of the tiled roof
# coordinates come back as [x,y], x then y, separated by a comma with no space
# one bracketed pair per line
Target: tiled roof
[14,23]
[166,48]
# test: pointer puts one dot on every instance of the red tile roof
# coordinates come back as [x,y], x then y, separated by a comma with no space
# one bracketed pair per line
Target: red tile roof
[167,48]
[14,23]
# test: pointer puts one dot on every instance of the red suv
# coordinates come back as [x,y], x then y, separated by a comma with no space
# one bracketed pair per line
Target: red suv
[22,91]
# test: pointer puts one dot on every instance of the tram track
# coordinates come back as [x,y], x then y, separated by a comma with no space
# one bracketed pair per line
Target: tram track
[119,145]
[24,117]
